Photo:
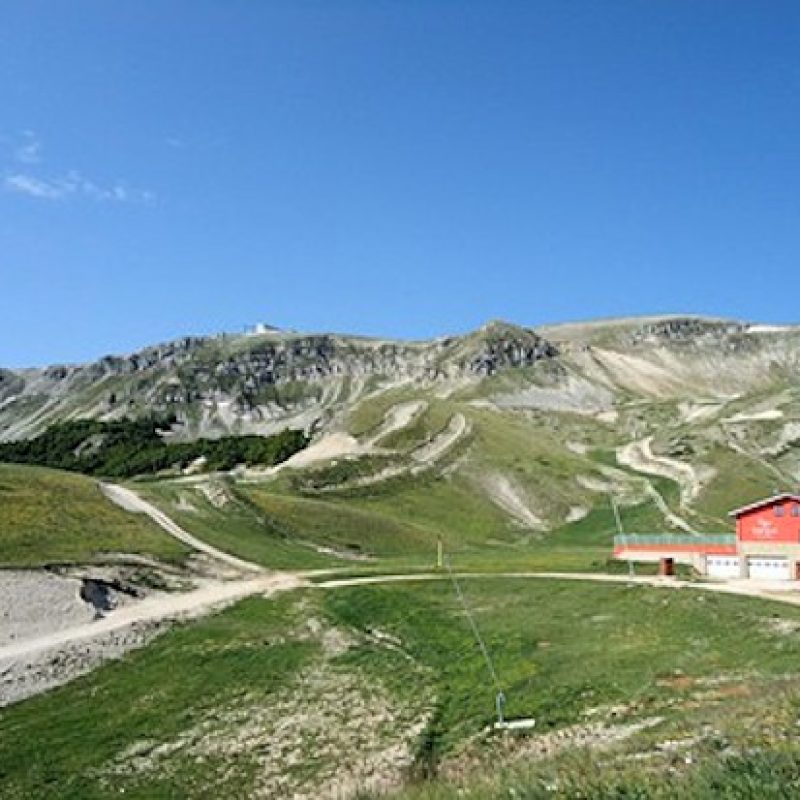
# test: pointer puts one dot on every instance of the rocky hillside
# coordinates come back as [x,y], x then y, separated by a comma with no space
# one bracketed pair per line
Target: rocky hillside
[255,383]
[681,418]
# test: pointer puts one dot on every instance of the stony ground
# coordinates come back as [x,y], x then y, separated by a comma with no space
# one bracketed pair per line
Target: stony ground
[35,603]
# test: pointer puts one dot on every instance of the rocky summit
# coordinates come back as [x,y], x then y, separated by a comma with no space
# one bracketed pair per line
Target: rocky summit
[255,382]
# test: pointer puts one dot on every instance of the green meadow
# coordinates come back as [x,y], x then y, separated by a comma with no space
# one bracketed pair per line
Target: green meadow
[159,722]
[53,517]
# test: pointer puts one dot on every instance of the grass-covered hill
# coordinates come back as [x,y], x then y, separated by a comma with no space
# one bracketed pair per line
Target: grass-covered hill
[505,445]
[680,418]
[53,517]
[636,692]
[517,487]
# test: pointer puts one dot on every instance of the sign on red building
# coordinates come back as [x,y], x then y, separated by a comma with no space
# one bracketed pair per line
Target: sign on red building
[776,519]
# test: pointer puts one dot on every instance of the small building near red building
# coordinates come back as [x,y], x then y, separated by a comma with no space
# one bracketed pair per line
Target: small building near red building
[766,544]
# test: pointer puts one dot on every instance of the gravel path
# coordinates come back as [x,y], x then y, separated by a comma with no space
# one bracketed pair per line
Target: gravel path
[780,591]
[130,501]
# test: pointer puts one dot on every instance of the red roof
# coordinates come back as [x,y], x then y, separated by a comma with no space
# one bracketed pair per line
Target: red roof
[769,501]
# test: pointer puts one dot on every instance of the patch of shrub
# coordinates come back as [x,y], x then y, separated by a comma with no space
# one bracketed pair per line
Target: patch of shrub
[128,447]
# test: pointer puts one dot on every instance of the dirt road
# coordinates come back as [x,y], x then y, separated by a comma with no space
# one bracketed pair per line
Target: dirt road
[40,660]
[780,591]
[130,501]
[32,664]
[209,596]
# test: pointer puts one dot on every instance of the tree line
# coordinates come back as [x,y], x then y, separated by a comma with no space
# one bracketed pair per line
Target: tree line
[128,447]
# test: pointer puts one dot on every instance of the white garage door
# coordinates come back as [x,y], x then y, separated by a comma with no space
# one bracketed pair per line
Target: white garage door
[768,568]
[722,566]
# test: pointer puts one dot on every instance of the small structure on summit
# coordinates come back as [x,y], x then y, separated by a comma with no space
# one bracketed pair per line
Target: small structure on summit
[259,329]
[766,544]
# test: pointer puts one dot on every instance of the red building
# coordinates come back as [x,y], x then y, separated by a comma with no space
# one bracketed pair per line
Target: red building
[766,544]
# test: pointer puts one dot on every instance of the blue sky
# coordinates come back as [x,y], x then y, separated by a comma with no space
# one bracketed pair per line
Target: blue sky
[405,168]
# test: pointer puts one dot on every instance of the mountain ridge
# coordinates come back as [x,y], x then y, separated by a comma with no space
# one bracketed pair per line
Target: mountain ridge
[680,418]
[260,382]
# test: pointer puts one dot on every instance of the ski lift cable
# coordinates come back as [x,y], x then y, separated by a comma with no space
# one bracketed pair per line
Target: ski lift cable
[500,696]
[620,531]
[474,626]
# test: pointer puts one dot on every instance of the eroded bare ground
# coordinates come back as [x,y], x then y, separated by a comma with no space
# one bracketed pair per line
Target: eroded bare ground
[36,656]
[333,732]
[57,625]
[37,671]
[490,749]
[39,605]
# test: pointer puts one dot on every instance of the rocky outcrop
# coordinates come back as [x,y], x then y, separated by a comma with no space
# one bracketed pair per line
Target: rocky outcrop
[164,356]
[509,353]
[255,378]
[261,382]
[495,347]
[695,330]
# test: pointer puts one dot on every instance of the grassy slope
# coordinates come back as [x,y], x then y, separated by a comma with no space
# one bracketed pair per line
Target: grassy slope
[239,527]
[739,481]
[424,427]
[207,677]
[50,517]
[530,450]
[399,525]
[401,520]
[55,745]
[368,414]
[562,647]
[554,658]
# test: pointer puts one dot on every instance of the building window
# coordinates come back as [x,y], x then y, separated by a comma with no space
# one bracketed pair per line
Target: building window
[796,510]
[779,511]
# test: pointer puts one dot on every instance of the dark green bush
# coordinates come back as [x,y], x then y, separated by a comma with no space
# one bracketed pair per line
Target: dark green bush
[129,447]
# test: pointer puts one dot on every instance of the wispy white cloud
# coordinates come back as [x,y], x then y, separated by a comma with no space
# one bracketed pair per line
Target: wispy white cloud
[35,187]
[23,175]
[74,184]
